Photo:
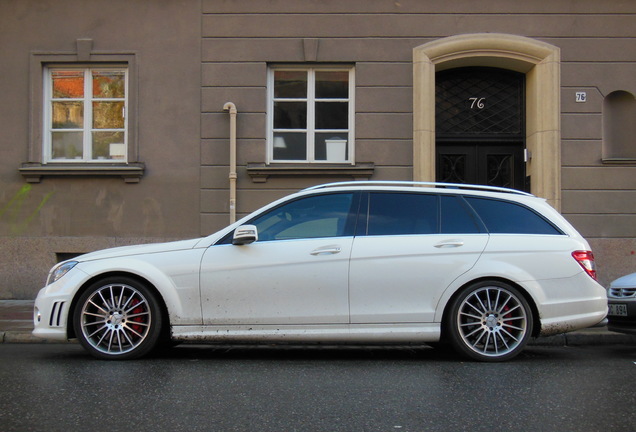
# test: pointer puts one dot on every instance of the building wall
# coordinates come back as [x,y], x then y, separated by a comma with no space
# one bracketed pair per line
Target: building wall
[39,221]
[194,56]
[596,43]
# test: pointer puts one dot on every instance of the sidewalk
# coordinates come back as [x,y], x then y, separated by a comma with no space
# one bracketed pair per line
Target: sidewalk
[16,324]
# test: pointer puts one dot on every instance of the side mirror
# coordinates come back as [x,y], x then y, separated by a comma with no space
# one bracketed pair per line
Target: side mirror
[245,234]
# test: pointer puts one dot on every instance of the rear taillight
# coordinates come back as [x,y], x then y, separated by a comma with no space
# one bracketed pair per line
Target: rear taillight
[586,259]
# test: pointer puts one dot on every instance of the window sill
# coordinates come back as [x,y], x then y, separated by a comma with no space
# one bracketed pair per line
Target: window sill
[619,161]
[260,172]
[131,172]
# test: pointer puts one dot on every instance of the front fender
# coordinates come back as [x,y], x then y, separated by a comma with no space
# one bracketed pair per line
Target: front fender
[175,276]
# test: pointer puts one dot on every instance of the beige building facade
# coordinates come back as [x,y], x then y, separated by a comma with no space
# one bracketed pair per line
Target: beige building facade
[117,118]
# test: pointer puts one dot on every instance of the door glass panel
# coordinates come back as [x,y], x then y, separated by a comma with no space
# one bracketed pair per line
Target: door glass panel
[483,101]
[500,170]
[452,168]
[312,217]
[400,214]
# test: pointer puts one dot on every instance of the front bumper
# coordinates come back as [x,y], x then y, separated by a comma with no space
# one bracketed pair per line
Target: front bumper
[622,323]
[50,316]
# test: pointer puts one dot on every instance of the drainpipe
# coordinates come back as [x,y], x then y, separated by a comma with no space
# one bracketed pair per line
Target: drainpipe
[229,106]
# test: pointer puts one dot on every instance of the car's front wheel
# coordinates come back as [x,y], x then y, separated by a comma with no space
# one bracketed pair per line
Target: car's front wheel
[118,318]
[489,321]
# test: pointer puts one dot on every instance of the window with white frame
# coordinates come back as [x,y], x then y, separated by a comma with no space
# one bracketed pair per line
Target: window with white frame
[85,114]
[311,113]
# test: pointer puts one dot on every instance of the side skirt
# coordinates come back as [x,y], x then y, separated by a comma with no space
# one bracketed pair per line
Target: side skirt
[296,334]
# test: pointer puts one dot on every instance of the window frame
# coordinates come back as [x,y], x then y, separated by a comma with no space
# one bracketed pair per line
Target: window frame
[35,168]
[87,101]
[311,101]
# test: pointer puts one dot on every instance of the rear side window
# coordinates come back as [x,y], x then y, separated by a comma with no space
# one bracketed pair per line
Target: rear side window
[402,214]
[457,218]
[503,217]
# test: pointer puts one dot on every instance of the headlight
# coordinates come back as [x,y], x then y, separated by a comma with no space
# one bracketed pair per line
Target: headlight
[60,270]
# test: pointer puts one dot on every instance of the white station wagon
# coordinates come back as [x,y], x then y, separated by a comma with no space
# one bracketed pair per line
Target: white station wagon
[479,268]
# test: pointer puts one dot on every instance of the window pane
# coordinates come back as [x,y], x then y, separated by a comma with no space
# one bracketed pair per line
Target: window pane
[66,145]
[503,217]
[332,115]
[109,145]
[290,146]
[68,115]
[333,84]
[68,84]
[109,84]
[290,115]
[402,214]
[311,217]
[108,115]
[456,219]
[290,84]
[331,147]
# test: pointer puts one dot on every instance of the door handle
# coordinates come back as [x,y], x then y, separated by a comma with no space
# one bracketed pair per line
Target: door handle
[326,250]
[449,244]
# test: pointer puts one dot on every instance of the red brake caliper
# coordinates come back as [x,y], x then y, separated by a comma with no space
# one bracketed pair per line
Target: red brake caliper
[138,319]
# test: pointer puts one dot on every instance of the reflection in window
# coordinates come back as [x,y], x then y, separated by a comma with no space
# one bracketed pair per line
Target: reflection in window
[619,126]
[312,217]
[311,112]
[85,114]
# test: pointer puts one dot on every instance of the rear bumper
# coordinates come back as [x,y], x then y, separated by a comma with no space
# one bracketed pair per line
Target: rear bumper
[571,304]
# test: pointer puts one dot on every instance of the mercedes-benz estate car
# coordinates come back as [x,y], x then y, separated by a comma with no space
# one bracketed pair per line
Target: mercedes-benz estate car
[480,269]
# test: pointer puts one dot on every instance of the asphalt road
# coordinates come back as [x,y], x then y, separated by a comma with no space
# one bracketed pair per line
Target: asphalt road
[195,388]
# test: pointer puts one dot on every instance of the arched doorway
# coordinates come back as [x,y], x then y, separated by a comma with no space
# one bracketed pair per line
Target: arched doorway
[480,127]
[538,61]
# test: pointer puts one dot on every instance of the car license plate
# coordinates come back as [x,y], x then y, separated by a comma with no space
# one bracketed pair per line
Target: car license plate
[617,310]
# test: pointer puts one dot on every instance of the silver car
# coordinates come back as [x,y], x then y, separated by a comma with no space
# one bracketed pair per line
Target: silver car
[621,298]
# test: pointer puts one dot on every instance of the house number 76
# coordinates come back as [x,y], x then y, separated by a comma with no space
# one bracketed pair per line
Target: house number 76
[478,103]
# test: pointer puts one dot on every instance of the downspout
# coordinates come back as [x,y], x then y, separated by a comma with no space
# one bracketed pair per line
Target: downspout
[229,106]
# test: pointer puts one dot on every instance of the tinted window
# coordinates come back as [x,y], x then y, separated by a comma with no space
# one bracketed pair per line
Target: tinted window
[398,213]
[310,217]
[504,217]
[456,218]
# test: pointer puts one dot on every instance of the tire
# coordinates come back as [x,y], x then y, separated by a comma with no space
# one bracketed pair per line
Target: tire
[118,318]
[489,321]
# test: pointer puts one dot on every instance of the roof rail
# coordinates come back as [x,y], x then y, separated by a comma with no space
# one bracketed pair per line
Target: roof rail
[425,184]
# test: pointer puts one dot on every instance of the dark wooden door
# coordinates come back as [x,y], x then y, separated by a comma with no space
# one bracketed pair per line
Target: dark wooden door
[482,163]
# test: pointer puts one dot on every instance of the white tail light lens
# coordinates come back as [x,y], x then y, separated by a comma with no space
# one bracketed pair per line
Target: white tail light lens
[586,260]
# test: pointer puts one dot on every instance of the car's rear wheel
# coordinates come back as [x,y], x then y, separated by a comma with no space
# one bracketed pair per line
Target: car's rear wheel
[118,318]
[489,321]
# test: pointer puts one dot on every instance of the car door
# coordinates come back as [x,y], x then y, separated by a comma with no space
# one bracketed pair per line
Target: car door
[295,273]
[412,246]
